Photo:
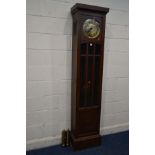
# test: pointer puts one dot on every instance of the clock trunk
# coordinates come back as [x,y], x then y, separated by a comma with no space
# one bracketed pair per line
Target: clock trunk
[87,69]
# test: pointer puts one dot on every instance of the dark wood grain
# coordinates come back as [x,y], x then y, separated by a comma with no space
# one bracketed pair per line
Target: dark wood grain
[91,8]
[85,118]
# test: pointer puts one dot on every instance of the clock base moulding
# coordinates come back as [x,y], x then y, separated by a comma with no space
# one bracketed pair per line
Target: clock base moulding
[85,142]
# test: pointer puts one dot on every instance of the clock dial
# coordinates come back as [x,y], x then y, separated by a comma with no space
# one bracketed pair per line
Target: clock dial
[91,28]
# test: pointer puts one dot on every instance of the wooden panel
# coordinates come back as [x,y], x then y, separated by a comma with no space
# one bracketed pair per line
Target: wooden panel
[88,120]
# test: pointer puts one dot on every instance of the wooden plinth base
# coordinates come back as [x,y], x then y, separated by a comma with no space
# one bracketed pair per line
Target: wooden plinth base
[85,142]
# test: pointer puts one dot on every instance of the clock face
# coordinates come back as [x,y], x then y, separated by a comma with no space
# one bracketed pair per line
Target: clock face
[91,28]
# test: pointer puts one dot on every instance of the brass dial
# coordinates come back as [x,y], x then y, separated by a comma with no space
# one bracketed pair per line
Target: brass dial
[91,28]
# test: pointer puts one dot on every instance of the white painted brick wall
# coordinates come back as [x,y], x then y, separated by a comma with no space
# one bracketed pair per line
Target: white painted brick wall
[49,29]
[48,41]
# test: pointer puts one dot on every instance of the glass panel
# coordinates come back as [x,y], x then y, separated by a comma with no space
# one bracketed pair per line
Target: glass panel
[82,81]
[97,49]
[89,76]
[83,48]
[89,80]
[96,78]
[90,67]
[90,48]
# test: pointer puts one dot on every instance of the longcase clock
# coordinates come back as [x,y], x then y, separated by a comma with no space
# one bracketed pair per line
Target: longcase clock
[87,67]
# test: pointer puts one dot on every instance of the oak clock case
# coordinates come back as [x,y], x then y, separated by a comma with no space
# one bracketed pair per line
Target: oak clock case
[87,68]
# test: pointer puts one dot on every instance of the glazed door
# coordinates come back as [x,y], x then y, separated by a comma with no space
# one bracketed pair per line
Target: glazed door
[90,59]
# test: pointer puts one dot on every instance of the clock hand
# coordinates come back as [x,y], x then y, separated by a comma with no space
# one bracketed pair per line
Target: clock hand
[89,29]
